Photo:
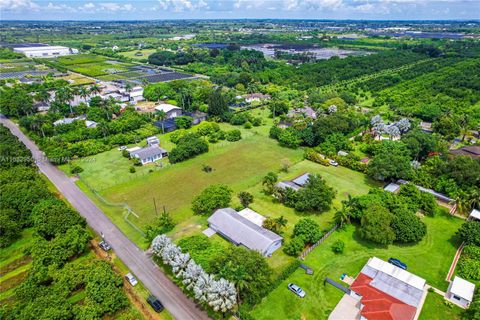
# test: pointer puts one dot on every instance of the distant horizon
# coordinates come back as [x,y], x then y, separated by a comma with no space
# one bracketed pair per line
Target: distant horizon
[248,19]
[151,10]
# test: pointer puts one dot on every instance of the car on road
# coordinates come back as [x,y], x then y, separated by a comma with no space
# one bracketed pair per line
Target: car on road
[131,279]
[397,263]
[333,163]
[105,246]
[296,289]
[155,303]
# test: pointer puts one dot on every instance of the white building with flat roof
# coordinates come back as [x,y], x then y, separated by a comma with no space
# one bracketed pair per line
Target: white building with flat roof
[45,51]
[460,292]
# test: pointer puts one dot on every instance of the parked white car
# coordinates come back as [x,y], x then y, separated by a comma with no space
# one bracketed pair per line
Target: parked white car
[296,289]
[333,163]
[131,279]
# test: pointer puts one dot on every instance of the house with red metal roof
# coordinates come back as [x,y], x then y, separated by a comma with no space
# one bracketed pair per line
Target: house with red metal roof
[382,291]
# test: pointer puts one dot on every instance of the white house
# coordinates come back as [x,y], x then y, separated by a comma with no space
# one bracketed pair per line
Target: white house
[136,95]
[460,292]
[149,154]
[256,97]
[153,140]
[241,231]
[170,110]
[45,51]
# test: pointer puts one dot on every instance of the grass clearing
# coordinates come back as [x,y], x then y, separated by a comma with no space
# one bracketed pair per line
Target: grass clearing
[429,259]
[138,54]
[436,307]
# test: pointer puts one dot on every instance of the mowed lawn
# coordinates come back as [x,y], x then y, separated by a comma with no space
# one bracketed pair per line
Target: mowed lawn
[435,307]
[429,259]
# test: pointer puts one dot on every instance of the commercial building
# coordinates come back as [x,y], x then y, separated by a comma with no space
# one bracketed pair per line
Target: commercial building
[45,51]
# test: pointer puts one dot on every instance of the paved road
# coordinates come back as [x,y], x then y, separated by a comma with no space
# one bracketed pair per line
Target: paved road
[179,305]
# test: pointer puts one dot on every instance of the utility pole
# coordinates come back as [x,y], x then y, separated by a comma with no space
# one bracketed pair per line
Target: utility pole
[155,205]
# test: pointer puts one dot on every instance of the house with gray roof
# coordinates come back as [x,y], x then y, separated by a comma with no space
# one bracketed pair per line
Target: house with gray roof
[241,231]
[149,154]
[295,184]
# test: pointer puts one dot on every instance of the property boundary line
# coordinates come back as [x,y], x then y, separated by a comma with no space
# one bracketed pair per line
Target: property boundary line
[316,244]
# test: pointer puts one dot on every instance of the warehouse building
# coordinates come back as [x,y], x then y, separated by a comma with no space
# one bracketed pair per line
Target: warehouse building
[45,51]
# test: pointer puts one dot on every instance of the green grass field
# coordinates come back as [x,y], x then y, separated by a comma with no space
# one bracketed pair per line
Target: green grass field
[143,54]
[436,307]
[429,259]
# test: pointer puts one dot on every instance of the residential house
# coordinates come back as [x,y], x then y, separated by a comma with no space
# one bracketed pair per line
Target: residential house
[136,95]
[256,97]
[170,110]
[67,120]
[307,112]
[295,184]
[241,231]
[471,151]
[41,106]
[197,116]
[460,292]
[148,154]
[426,127]
[385,292]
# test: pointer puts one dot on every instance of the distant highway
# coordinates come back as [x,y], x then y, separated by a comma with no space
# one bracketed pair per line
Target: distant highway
[172,297]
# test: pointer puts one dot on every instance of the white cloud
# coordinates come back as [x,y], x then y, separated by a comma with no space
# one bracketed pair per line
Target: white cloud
[114,7]
[182,5]
[290,4]
[18,5]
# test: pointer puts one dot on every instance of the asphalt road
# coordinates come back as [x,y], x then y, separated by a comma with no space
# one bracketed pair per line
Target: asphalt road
[172,297]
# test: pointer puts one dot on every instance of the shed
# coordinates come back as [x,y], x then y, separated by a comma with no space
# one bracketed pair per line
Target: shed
[460,292]
[241,231]
[475,214]
[153,140]
[392,187]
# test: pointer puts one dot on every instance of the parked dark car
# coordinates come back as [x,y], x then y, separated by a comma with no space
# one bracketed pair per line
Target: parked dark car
[105,246]
[397,263]
[155,303]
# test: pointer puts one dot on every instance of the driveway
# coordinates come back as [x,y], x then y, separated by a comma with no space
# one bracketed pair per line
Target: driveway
[172,297]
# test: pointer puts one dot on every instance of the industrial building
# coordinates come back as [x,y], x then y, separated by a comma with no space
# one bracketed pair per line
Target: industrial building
[45,51]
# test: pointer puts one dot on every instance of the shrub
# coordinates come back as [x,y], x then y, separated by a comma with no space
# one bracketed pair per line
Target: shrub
[338,247]
[75,168]
[132,169]
[233,135]
[247,125]
[294,247]
[188,147]
[308,230]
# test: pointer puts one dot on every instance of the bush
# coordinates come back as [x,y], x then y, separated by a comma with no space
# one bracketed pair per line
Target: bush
[233,135]
[470,232]
[75,168]
[247,125]
[183,122]
[188,147]
[308,230]
[294,247]
[338,247]
[132,169]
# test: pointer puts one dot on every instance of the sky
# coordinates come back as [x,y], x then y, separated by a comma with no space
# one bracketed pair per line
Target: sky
[233,9]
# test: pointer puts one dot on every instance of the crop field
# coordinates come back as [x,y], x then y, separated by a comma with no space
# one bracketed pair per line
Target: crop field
[427,259]
[138,54]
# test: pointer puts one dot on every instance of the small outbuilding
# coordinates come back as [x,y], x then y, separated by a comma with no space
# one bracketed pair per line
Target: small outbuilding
[474,215]
[460,292]
[149,154]
[241,231]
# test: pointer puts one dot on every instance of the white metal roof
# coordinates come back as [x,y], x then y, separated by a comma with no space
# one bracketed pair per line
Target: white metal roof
[252,216]
[462,288]
[475,214]
[165,107]
[392,187]
[396,272]
[43,48]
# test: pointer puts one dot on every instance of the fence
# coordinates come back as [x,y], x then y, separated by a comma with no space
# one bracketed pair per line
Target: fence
[128,210]
[316,244]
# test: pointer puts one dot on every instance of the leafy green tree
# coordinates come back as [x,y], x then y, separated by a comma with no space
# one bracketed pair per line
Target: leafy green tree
[390,161]
[245,198]
[183,122]
[448,127]
[470,232]
[294,247]
[290,138]
[308,230]
[186,100]
[275,224]
[212,198]
[407,226]
[233,135]
[338,246]
[16,102]
[316,195]
[376,225]
[163,223]
[10,228]
[53,217]
[278,107]
[188,147]
[217,105]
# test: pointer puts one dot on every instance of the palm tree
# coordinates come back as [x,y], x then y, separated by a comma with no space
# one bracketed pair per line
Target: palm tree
[102,125]
[95,89]
[342,216]
[83,93]
[281,222]
[162,116]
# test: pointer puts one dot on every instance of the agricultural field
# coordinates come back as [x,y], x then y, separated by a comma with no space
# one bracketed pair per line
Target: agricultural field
[138,54]
[426,259]
[77,79]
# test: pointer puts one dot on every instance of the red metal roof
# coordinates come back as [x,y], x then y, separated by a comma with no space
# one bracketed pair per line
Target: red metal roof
[379,305]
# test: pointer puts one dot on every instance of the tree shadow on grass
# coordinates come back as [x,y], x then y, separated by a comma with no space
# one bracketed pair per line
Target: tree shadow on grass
[366,243]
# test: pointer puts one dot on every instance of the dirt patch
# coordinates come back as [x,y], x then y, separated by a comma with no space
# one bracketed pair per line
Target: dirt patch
[13,281]
[15,264]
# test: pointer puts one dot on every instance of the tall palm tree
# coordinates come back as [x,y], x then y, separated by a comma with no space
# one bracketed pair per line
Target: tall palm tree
[162,116]
[95,89]
[83,93]
[281,222]
[342,216]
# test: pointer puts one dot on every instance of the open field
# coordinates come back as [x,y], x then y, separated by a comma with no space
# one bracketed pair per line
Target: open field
[138,54]
[77,79]
[429,259]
